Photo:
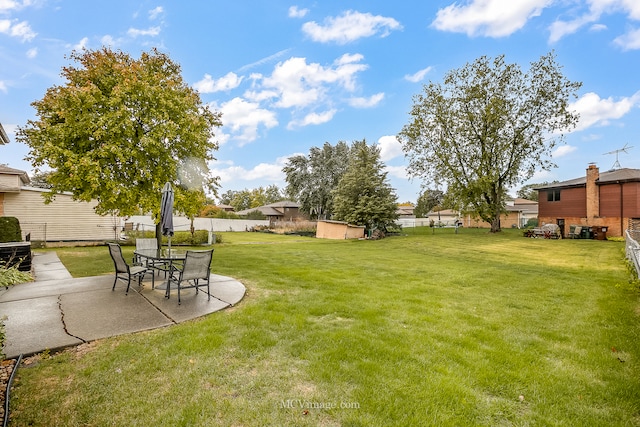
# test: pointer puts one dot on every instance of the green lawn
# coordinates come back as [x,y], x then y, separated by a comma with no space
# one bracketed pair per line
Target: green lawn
[419,329]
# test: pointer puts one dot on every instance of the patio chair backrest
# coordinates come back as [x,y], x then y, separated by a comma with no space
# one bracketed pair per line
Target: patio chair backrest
[116,255]
[146,244]
[197,265]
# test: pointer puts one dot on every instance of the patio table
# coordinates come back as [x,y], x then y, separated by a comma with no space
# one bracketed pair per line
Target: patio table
[162,260]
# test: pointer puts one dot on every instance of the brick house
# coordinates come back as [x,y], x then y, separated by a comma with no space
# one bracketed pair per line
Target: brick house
[609,199]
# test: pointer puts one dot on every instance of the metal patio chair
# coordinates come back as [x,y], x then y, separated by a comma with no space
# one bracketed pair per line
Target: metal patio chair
[123,270]
[195,272]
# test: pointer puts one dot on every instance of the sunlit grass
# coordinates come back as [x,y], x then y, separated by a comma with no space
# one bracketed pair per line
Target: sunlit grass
[426,328]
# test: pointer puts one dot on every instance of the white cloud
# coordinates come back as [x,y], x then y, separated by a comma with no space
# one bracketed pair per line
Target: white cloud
[559,29]
[629,41]
[135,32]
[298,84]
[263,172]
[155,13]
[209,85]
[82,44]
[312,119]
[372,101]
[9,5]
[390,147]
[20,30]
[397,171]
[3,86]
[492,18]
[563,150]
[244,118]
[350,26]
[596,8]
[415,78]
[32,53]
[594,110]
[294,12]
[108,41]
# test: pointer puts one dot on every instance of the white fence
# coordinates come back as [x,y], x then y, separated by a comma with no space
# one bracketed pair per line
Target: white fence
[181,223]
[632,248]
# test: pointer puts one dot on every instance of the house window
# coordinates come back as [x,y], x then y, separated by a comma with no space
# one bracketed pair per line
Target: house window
[553,195]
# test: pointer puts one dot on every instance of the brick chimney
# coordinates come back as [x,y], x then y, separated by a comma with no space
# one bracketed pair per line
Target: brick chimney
[593,192]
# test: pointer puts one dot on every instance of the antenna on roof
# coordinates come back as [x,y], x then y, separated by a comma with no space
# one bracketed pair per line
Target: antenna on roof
[624,149]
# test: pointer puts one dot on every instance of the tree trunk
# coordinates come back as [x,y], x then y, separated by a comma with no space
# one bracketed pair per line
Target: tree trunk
[495,224]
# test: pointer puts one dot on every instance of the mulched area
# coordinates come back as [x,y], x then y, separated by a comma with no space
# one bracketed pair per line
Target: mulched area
[6,368]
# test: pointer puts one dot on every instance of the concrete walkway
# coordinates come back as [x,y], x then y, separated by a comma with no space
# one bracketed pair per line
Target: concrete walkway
[58,311]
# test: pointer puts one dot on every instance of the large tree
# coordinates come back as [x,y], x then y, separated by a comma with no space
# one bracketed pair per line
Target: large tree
[311,179]
[363,195]
[488,127]
[119,128]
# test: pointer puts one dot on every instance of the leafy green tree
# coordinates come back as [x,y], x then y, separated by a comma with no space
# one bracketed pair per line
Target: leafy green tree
[488,127]
[427,200]
[247,199]
[311,179]
[363,195]
[119,129]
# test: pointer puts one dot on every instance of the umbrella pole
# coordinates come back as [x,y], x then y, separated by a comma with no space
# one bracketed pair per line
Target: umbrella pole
[169,244]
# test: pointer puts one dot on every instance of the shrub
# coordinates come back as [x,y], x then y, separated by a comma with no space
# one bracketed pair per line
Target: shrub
[10,229]
[12,276]
[532,223]
[199,237]
[256,214]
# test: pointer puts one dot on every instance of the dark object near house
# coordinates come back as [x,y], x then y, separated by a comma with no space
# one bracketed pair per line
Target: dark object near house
[16,253]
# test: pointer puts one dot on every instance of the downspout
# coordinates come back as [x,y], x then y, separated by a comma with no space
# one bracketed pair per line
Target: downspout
[621,208]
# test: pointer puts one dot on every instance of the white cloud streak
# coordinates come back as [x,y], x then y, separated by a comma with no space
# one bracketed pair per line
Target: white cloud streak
[369,102]
[417,77]
[136,32]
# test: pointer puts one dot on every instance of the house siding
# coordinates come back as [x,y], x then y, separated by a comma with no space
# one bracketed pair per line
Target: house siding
[62,220]
[572,203]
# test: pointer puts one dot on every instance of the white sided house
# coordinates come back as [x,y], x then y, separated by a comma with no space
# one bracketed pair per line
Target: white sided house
[64,219]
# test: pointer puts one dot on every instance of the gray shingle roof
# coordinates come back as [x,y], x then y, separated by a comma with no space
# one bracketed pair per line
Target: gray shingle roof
[617,175]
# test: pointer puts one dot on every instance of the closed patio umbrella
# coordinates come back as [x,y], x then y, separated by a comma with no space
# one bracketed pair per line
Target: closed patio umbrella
[166,212]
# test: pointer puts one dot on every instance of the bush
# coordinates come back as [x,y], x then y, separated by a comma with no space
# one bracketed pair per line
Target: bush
[256,214]
[10,276]
[200,237]
[10,229]
[532,223]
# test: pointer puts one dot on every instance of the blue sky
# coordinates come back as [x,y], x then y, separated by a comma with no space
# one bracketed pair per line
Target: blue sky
[291,75]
